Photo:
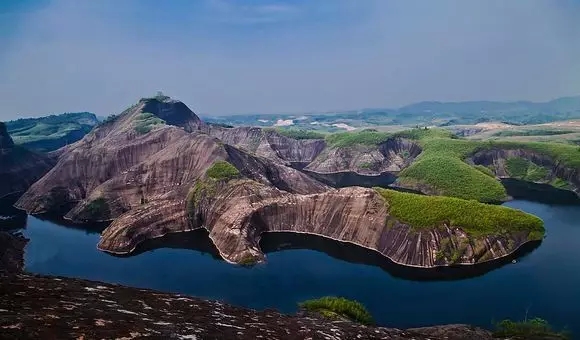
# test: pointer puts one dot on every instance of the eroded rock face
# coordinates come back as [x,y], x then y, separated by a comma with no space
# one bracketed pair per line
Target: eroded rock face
[238,212]
[496,160]
[270,144]
[19,168]
[390,157]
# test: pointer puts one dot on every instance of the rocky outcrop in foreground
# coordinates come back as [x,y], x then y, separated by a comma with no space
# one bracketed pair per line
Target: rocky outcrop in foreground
[44,307]
[19,168]
[41,307]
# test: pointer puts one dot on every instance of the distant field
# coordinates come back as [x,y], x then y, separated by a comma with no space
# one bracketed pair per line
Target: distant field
[441,114]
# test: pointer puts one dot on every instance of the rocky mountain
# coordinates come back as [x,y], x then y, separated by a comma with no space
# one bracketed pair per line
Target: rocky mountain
[157,168]
[19,168]
[51,132]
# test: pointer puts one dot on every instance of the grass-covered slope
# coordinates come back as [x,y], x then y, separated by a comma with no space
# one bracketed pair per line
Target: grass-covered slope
[441,166]
[475,218]
[51,132]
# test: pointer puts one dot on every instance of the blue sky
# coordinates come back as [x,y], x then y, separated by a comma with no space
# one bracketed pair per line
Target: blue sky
[235,56]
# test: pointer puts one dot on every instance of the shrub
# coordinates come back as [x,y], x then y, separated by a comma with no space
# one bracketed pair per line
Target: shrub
[145,122]
[517,167]
[475,218]
[222,170]
[98,209]
[529,329]
[330,306]
[534,132]
[559,183]
[248,260]
[300,133]
[523,169]
[364,137]
[485,170]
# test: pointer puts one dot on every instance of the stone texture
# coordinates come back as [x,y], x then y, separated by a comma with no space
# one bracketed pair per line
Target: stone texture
[236,214]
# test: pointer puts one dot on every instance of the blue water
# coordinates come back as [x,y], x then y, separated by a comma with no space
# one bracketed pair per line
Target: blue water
[545,282]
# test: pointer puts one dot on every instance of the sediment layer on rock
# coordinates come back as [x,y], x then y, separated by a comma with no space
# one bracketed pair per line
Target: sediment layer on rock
[236,213]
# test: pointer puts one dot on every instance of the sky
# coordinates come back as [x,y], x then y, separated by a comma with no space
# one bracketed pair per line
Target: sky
[282,56]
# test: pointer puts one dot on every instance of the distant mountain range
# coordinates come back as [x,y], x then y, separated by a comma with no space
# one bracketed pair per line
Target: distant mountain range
[51,132]
[430,113]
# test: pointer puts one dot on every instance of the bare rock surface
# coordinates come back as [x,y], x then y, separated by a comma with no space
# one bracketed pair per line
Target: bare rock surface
[391,156]
[236,214]
[41,307]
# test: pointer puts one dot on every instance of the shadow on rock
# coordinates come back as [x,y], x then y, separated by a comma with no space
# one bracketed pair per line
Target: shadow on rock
[197,240]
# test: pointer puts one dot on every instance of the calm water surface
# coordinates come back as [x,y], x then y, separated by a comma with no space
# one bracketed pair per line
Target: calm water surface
[545,281]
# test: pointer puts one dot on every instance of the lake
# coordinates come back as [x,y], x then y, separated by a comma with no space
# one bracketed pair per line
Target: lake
[544,281]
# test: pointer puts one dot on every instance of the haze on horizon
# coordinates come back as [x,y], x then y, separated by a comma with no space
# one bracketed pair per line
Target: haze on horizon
[268,56]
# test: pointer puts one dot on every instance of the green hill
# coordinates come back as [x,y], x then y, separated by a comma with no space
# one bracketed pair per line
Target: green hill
[51,132]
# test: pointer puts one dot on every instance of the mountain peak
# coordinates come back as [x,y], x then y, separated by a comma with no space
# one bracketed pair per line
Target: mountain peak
[173,112]
[5,139]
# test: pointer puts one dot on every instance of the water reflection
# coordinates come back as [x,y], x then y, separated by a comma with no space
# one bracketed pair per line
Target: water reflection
[197,240]
[538,192]
[278,241]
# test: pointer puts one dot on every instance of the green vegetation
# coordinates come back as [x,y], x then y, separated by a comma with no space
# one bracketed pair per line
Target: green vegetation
[145,122]
[441,166]
[218,171]
[222,170]
[528,329]
[98,209]
[51,132]
[532,132]
[300,133]
[521,168]
[365,165]
[364,137]
[248,260]
[559,183]
[158,96]
[485,170]
[423,133]
[567,154]
[517,167]
[336,307]
[474,218]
